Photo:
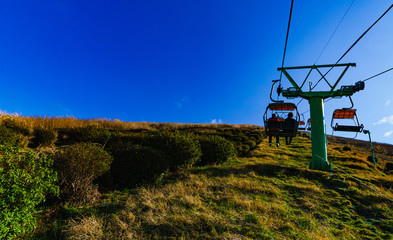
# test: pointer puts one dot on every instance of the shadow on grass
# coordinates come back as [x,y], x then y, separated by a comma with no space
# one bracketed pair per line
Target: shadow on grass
[269,170]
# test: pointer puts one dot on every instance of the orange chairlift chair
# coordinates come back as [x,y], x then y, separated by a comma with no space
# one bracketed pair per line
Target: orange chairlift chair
[302,124]
[346,113]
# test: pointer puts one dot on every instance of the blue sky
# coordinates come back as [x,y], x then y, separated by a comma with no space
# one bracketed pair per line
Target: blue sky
[186,61]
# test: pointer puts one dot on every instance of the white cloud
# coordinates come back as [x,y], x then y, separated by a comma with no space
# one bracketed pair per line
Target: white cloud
[181,103]
[215,121]
[388,119]
[387,103]
[388,134]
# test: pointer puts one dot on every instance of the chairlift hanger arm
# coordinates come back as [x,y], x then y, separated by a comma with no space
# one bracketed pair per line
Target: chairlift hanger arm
[271,91]
[351,103]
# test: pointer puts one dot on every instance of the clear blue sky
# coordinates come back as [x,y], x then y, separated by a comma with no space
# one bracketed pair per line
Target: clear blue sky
[185,61]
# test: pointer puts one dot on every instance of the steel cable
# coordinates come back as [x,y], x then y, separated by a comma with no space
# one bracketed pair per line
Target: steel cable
[349,49]
[335,30]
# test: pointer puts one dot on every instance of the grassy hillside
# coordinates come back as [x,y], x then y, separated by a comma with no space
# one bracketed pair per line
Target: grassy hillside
[268,193]
[119,180]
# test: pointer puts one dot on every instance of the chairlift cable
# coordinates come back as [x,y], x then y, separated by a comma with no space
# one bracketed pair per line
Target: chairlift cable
[286,39]
[335,30]
[349,49]
[377,75]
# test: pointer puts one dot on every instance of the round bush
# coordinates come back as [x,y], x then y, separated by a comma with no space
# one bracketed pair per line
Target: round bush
[77,166]
[182,149]
[95,134]
[17,127]
[11,138]
[119,140]
[258,136]
[242,150]
[137,164]
[215,149]
[25,180]
[44,137]
[252,144]
[91,133]
[347,148]
[370,159]
[389,166]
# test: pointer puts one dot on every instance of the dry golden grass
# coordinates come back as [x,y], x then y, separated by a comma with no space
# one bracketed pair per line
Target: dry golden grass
[71,122]
[85,228]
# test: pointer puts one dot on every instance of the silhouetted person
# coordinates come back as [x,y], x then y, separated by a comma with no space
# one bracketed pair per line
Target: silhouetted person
[275,122]
[290,126]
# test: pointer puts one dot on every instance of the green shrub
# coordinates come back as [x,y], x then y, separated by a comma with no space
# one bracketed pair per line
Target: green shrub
[252,144]
[15,126]
[244,138]
[370,159]
[389,166]
[95,134]
[91,133]
[77,166]
[258,136]
[242,150]
[25,180]
[347,148]
[12,138]
[44,137]
[138,164]
[215,149]
[182,149]
[121,140]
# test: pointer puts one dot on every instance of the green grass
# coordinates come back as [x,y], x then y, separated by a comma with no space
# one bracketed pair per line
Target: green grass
[270,194]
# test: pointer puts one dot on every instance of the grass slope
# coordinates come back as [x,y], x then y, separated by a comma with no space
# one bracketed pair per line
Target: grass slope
[271,194]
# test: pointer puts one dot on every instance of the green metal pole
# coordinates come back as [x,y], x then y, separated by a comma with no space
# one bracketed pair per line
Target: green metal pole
[318,135]
[371,145]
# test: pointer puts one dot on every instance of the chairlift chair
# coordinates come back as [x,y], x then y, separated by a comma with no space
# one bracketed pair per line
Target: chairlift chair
[280,127]
[346,113]
[302,124]
[308,127]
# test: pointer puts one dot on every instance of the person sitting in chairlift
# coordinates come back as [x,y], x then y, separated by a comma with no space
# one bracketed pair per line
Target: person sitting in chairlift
[290,126]
[274,120]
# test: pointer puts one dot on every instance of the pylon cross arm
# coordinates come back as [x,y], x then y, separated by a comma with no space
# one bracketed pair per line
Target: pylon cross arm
[297,91]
